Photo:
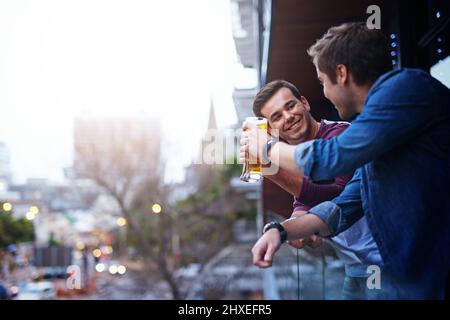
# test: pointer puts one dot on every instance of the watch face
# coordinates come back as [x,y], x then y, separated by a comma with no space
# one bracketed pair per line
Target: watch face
[270,225]
[266,227]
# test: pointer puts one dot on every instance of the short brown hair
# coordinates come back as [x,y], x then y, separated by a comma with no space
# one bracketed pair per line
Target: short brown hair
[364,51]
[268,91]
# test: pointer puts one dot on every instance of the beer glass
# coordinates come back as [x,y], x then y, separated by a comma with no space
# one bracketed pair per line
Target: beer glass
[252,172]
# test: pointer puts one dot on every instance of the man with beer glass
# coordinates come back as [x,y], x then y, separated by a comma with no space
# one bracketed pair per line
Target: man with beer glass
[288,115]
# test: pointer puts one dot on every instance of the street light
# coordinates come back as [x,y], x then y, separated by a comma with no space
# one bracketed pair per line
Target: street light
[100,267]
[30,215]
[156,208]
[112,269]
[121,269]
[80,245]
[107,250]
[7,206]
[97,253]
[34,210]
[121,222]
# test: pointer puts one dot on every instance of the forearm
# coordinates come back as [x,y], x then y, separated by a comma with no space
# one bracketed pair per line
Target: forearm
[292,182]
[305,226]
[282,155]
[382,126]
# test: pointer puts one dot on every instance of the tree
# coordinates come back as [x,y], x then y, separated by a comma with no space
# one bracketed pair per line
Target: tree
[208,215]
[14,231]
[123,157]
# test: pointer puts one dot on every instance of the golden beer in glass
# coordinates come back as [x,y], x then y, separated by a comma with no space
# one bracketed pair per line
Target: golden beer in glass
[252,172]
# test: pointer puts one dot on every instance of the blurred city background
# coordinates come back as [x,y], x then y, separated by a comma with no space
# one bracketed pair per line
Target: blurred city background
[107,113]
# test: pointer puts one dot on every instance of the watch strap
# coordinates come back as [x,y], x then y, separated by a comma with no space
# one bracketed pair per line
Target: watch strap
[279,227]
[266,150]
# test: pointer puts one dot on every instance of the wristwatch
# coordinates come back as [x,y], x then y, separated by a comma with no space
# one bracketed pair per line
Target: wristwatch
[266,149]
[279,227]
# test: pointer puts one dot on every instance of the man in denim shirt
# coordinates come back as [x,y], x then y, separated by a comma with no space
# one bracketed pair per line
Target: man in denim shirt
[399,143]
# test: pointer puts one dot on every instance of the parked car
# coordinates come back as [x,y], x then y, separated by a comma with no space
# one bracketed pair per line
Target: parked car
[43,290]
[54,273]
[49,273]
[4,294]
[8,291]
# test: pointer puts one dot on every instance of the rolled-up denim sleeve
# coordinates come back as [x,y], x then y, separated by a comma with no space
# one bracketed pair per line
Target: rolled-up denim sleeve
[343,211]
[304,156]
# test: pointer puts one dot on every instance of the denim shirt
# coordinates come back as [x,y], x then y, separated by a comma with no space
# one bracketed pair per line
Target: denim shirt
[355,246]
[400,146]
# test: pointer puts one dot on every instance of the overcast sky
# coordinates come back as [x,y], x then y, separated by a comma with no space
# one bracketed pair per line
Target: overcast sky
[61,58]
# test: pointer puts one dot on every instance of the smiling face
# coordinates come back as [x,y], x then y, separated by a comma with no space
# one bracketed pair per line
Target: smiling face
[290,116]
